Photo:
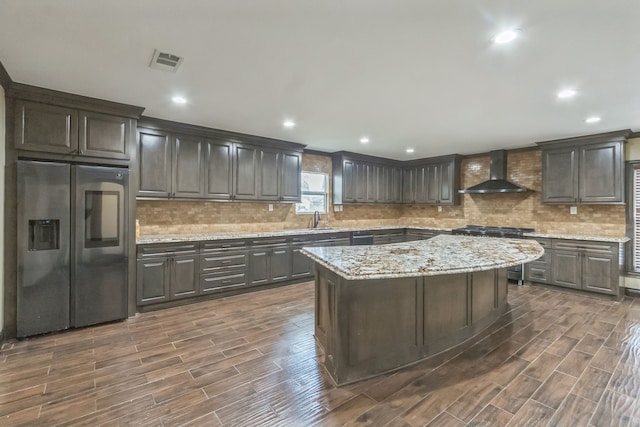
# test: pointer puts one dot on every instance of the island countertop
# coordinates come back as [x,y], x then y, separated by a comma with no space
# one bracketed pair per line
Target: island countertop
[442,254]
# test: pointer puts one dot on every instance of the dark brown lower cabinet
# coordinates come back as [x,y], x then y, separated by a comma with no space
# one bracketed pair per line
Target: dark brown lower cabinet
[367,327]
[184,276]
[584,265]
[153,280]
[167,278]
[269,264]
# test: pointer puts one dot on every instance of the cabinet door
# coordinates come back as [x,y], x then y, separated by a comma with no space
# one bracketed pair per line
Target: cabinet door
[270,170]
[348,181]
[301,265]
[421,184]
[280,260]
[431,184]
[396,189]
[409,185]
[184,276]
[537,272]
[567,267]
[259,267]
[291,177]
[218,170]
[360,182]
[103,135]
[601,168]
[599,273]
[447,192]
[153,280]
[371,186]
[188,167]
[48,128]
[155,163]
[246,172]
[560,175]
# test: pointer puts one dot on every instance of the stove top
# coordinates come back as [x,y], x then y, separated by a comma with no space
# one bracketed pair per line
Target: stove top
[491,231]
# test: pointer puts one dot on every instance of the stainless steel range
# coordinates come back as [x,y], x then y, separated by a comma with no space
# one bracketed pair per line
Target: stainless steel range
[514,273]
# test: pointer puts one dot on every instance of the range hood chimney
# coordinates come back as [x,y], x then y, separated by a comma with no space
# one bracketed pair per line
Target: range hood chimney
[497,174]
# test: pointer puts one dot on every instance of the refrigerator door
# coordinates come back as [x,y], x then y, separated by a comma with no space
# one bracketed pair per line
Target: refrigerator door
[100,273]
[43,247]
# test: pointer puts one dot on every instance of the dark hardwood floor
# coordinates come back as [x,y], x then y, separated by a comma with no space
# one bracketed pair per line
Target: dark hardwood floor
[250,360]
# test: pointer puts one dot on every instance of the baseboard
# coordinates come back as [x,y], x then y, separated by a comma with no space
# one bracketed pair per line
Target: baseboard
[635,293]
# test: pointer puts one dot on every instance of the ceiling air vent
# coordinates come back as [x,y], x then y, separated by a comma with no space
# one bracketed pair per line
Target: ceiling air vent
[165,61]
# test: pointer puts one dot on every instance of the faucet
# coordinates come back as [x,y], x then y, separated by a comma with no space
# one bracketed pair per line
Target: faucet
[316,219]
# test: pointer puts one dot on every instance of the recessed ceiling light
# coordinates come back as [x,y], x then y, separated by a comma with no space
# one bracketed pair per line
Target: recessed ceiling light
[289,123]
[567,93]
[179,99]
[364,140]
[506,36]
[410,150]
[593,119]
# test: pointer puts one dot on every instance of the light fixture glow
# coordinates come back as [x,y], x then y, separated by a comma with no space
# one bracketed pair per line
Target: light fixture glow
[593,119]
[410,150]
[567,93]
[506,36]
[289,123]
[179,99]
[364,140]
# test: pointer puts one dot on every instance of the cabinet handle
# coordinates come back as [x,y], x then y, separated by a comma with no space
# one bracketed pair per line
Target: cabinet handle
[226,282]
[226,262]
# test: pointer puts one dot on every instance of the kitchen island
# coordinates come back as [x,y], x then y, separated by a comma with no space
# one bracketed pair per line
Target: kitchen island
[382,307]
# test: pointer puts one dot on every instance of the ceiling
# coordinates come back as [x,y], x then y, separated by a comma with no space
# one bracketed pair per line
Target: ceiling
[423,74]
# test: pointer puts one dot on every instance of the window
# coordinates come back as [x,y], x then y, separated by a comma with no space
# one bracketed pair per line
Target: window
[314,193]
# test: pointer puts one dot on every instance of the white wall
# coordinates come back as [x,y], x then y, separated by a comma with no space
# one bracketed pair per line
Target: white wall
[2,135]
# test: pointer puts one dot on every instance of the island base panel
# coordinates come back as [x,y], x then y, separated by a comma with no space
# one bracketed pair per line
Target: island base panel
[367,327]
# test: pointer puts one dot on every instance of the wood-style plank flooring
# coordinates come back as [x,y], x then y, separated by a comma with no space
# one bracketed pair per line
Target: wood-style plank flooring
[250,360]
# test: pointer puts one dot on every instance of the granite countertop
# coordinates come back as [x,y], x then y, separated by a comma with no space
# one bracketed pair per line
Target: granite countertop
[195,237]
[573,237]
[443,254]
[174,238]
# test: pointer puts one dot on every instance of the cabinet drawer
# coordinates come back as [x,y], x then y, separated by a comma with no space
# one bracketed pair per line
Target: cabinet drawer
[223,245]
[535,272]
[150,250]
[588,246]
[333,236]
[218,261]
[216,282]
[303,240]
[269,242]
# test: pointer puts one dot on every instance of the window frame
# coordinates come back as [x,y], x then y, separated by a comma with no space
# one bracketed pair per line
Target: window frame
[324,193]
[632,247]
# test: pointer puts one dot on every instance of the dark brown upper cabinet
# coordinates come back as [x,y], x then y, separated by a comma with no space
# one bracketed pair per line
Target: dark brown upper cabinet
[366,179]
[188,167]
[584,170]
[214,165]
[61,130]
[290,177]
[247,172]
[280,175]
[219,169]
[154,156]
[434,181]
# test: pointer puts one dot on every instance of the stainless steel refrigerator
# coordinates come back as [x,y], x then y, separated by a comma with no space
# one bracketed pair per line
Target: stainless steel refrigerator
[72,246]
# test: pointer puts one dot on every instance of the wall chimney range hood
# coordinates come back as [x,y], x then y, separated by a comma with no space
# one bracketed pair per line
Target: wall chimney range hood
[497,182]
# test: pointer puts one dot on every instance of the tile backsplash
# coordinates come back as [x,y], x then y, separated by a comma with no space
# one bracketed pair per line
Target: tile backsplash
[515,210]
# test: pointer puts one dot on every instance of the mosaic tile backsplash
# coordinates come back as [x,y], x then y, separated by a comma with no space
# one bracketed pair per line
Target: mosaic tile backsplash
[514,210]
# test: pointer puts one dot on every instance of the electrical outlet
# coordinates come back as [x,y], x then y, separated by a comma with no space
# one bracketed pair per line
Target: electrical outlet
[439,208]
[573,210]
[270,207]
